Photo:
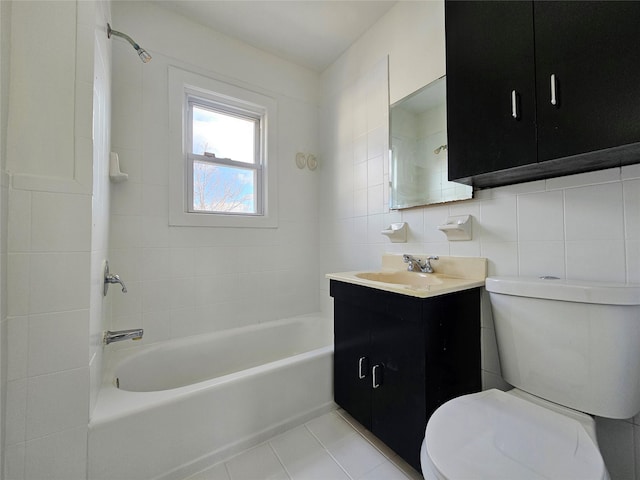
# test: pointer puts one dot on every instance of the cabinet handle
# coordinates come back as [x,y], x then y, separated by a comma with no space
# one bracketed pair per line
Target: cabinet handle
[514,104]
[554,86]
[362,367]
[376,375]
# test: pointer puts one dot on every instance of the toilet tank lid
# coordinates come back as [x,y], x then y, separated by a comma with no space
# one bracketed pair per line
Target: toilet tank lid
[604,293]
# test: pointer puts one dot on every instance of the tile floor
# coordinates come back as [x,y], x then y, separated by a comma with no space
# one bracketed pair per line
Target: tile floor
[330,447]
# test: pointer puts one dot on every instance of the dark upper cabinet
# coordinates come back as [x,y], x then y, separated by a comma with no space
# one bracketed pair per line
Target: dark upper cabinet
[592,50]
[490,86]
[575,70]
[397,358]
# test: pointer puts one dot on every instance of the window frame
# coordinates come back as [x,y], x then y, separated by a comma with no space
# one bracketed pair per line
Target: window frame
[230,99]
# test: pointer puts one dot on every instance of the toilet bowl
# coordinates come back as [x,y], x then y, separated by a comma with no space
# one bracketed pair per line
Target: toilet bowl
[570,350]
[509,435]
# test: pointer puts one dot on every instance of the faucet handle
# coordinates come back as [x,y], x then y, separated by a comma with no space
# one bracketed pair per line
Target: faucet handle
[114,278]
[424,265]
[111,278]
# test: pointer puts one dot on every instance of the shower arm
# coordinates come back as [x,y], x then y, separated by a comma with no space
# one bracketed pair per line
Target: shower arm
[144,55]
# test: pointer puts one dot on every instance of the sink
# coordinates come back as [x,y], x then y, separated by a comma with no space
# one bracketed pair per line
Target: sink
[410,279]
[453,274]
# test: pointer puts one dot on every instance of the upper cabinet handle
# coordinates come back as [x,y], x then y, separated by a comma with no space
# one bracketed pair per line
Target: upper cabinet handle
[554,93]
[514,104]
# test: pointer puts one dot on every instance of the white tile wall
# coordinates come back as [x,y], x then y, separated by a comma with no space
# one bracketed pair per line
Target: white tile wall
[57,234]
[4,195]
[61,455]
[57,342]
[188,280]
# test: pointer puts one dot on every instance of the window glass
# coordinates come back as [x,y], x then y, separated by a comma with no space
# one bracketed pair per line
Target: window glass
[218,188]
[226,166]
[224,135]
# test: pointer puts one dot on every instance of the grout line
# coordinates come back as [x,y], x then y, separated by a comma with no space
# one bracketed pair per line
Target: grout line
[329,453]
[356,428]
[391,456]
[226,469]
[275,452]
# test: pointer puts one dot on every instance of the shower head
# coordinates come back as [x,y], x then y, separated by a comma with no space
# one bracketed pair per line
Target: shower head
[439,149]
[142,53]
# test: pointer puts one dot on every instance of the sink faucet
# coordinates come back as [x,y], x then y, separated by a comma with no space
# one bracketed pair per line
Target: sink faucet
[416,263]
[120,335]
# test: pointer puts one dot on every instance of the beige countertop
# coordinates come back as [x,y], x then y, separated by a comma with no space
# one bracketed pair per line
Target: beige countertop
[451,274]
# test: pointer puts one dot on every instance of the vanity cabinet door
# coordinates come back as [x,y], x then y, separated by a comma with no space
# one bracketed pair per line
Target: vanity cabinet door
[491,105]
[592,50]
[399,414]
[352,360]
[397,358]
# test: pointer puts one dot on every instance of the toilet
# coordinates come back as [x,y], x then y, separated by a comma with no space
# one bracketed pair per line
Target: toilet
[570,350]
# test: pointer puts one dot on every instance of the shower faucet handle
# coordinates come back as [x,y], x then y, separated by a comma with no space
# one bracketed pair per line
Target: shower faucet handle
[111,278]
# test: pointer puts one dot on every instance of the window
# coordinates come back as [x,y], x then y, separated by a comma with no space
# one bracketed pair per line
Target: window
[225,159]
[222,165]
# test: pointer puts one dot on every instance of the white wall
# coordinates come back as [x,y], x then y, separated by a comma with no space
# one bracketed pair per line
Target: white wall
[189,280]
[581,227]
[54,211]
[5,32]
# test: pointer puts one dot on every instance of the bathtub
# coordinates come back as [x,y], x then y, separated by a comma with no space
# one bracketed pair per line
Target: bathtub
[171,409]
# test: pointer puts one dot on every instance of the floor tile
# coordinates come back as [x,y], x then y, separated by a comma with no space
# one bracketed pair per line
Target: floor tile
[330,447]
[356,455]
[217,472]
[258,463]
[319,467]
[330,428]
[296,445]
[384,471]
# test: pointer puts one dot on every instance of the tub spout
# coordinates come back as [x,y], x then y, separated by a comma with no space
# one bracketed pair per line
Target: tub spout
[120,335]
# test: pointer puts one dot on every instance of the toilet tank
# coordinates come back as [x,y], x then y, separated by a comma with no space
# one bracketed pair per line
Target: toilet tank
[570,342]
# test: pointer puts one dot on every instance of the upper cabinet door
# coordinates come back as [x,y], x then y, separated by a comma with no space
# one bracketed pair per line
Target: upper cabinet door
[490,86]
[587,76]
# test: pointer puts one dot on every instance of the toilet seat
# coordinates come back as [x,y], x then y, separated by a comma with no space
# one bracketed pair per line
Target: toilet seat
[498,435]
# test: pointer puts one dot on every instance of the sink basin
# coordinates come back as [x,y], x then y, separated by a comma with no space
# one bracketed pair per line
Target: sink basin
[453,274]
[410,279]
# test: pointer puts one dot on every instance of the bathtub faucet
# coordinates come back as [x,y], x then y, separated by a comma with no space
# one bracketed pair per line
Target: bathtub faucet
[120,335]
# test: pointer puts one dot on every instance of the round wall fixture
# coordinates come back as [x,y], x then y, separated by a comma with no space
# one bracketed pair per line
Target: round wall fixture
[301,161]
[312,162]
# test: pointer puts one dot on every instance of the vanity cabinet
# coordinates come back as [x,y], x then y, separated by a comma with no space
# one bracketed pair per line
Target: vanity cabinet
[397,358]
[540,89]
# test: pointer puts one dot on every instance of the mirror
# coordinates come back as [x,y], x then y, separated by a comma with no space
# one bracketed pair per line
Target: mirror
[418,140]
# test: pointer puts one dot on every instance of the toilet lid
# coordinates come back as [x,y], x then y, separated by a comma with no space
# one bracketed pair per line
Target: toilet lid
[493,435]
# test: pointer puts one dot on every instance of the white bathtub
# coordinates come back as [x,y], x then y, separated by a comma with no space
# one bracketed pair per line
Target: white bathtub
[185,404]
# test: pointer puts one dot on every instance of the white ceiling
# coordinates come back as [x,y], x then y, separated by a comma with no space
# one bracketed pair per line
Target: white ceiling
[311,33]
